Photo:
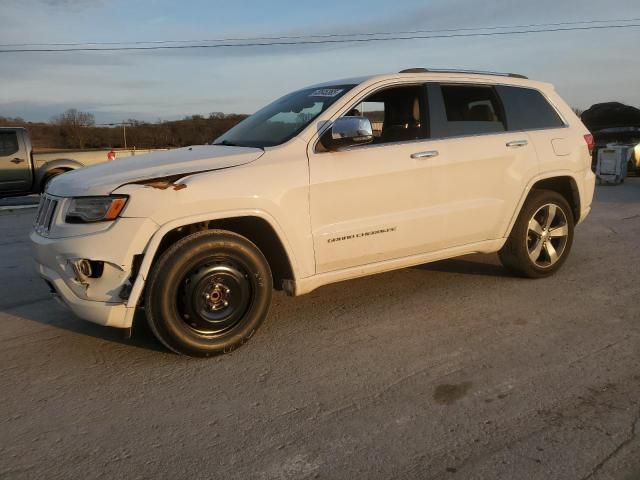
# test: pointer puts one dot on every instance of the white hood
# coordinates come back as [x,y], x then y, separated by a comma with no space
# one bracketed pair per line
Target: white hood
[105,178]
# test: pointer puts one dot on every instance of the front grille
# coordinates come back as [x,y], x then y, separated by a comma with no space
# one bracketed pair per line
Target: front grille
[45,215]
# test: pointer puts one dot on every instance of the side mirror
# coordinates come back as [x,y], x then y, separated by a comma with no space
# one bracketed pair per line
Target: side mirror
[348,132]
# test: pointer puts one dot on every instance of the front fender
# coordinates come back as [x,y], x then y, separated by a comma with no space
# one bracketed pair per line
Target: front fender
[154,242]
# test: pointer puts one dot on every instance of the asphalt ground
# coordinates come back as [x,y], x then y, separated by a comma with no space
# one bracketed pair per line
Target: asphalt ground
[448,370]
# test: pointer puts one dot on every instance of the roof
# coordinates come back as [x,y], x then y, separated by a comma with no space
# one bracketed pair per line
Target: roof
[436,75]
[468,72]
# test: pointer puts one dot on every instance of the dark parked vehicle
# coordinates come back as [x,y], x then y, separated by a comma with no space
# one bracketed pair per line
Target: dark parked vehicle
[20,173]
[615,123]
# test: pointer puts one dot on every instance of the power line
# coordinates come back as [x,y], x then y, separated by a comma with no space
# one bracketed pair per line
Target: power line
[330,35]
[313,42]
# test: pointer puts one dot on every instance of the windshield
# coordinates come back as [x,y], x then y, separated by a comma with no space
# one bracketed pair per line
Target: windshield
[283,119]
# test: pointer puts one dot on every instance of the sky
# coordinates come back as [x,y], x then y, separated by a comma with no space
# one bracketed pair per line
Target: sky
[586,67]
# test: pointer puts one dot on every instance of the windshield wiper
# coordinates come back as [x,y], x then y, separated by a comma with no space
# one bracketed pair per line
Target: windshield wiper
[227,143]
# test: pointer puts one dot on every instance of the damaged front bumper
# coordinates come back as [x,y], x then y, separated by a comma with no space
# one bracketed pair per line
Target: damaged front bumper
[100,297]
[103,313]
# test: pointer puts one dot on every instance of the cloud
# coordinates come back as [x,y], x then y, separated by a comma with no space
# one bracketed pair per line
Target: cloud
[72,4]
[110,111]
[45,63]
[173,83]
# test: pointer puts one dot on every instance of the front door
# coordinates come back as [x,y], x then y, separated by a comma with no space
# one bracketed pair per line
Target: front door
[368,203]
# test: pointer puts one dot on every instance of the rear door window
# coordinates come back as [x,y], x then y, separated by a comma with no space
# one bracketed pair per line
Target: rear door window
[8,143]
[472,110]
[528,109]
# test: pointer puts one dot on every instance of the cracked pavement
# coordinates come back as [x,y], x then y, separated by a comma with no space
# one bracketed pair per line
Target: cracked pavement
[449,370]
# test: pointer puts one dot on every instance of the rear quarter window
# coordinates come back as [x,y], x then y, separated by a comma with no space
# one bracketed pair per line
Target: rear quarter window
[528,109]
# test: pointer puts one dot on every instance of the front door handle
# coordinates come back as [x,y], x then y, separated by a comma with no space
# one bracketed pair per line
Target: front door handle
[517,143]
[17,160]
[428,154]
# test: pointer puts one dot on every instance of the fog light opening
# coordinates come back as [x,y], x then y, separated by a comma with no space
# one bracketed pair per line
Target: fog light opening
[97,268]
[84,268]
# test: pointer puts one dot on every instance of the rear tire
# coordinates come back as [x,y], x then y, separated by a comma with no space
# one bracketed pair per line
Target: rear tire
[208,293]
[542,236]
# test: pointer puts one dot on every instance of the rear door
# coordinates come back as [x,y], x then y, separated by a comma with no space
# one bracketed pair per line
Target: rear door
[529,110]
[480,171]
[15,164]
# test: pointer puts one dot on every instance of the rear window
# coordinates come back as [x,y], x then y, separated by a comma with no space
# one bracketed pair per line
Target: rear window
[8,143]
[472,110]
[528,109]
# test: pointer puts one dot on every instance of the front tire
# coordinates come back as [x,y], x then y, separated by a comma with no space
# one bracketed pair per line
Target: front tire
[208,293]
[541,238]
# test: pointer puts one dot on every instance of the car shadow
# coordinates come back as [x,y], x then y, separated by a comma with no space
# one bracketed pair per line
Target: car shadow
[48,312]
[44,310]
[476,265]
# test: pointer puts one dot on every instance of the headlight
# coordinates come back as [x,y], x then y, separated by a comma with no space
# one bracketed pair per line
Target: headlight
[95,209]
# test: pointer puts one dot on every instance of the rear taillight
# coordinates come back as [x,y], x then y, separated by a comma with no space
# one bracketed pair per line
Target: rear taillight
[590,144]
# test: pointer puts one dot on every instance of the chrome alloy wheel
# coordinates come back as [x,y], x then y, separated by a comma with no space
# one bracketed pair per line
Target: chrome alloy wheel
[547,235]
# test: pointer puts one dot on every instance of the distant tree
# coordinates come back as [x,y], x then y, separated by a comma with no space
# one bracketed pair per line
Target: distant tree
[16,121]
[577,111]
[74,125]
[75,129]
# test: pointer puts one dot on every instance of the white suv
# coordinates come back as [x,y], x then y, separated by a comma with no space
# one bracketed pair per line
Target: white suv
[331,182]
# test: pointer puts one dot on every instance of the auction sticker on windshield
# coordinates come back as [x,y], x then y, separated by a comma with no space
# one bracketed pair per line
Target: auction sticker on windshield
[327,92]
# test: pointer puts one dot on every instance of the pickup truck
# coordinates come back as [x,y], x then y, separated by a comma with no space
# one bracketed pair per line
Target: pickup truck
[22,172]
[19,173]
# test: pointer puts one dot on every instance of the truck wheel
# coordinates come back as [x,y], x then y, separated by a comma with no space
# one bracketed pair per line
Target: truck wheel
[208,293]
[541,238]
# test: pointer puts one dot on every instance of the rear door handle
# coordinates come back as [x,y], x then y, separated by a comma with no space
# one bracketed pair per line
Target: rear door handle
[17,160]
[428,154]
[517,143]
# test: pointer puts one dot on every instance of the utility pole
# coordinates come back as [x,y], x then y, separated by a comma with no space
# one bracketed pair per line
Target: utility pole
[124,129]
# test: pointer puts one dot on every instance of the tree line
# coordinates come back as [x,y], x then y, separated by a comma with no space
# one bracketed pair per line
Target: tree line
[78,130]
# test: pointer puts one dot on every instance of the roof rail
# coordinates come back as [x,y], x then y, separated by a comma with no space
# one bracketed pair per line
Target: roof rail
[475,72]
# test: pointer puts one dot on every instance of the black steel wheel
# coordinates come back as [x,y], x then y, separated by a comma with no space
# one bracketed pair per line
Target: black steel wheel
[208,293]
[214,296]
